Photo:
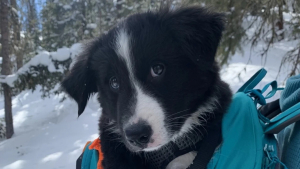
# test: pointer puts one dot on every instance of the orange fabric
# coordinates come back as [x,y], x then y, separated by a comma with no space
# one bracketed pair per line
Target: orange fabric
[86,145]
[97,146]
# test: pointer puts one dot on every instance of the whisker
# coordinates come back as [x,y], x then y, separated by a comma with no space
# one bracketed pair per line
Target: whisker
[118,145]
[180,117]
[173,114]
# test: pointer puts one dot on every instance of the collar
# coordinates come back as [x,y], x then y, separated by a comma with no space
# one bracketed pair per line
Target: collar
[184,144]
[192,141]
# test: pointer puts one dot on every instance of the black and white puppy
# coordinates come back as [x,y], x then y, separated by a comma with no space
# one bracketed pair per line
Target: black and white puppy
[157,80]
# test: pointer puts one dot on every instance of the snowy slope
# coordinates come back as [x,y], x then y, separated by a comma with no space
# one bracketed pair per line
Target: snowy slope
[49,135]
[240,64]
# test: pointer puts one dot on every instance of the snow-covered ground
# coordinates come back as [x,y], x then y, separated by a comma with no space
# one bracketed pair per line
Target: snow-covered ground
[49,135]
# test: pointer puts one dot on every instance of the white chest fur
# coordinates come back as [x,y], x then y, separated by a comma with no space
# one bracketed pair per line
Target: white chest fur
[182,162]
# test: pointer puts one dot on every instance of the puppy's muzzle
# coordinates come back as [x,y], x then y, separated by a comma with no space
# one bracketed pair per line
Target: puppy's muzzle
[139,134]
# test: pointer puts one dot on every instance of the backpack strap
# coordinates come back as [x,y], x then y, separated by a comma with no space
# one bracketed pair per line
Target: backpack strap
[86,158]
[271,109]
[207,148]
[284,119]
[96,145]
[86,144]
[254,80]
[275,124]
[92,156]
[279,120]
[79,160]
[258,96]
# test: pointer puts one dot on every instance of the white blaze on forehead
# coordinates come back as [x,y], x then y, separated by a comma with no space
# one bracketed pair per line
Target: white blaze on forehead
[123,42]
[147,107]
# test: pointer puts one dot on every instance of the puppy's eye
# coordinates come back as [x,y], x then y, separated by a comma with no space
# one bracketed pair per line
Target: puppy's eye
[157,70]
[114,83]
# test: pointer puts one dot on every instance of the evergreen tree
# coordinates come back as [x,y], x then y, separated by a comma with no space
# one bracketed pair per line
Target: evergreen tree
[67,22]
[16,39]
[2,128]
[30,40]
[265,20]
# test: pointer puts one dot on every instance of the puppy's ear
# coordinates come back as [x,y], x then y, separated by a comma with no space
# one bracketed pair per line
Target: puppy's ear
[80,82]
[199,32]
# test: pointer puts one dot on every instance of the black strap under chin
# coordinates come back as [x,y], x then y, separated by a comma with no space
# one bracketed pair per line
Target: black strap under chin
[207,149]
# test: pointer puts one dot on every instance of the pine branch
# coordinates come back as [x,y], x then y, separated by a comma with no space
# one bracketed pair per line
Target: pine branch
[293,72]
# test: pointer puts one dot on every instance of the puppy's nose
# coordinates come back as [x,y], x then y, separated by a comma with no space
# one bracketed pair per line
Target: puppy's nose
[139,134]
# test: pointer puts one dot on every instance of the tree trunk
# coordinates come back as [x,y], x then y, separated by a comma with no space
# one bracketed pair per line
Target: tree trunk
[119,8]
[31,15]
[6,67]
[84,21]
[280,22]
[16,36]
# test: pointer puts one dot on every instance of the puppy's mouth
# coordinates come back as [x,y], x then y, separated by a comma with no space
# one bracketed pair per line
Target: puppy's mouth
[142,136]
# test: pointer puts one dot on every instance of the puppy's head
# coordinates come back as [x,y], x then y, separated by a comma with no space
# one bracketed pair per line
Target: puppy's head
[152,72]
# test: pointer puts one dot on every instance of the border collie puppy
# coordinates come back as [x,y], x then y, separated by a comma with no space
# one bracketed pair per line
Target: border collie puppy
[158,84]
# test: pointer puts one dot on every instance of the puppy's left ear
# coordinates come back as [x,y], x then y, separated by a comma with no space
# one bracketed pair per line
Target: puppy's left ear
[199,32]
[80,82]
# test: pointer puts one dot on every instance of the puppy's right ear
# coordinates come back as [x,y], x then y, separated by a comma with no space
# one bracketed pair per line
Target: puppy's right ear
[80,82]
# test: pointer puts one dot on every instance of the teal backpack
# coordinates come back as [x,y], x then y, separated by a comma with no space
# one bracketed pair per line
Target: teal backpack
[249,136]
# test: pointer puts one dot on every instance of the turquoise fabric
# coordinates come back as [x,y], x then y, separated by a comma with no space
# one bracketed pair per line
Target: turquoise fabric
[290,136]
[243,135]
[246,144]
[287,115]
[291,94]
[90,158]
[253,81]
[291,146]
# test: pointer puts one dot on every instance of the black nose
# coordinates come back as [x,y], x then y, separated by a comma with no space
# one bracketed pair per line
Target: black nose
[139,134]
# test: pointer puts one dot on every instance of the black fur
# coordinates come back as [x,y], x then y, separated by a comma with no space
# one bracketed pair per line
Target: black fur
[185,41]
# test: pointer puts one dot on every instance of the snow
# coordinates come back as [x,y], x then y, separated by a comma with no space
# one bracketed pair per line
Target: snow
[64,21]
[91,25]
[61,54]
[86,32]
[15,11]
[66,7]
[45,58]
[15,165]
[10,79]
[53,45]
[48,133]
[52,157]
[243,65]
[76,48]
